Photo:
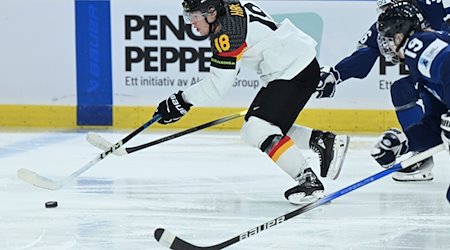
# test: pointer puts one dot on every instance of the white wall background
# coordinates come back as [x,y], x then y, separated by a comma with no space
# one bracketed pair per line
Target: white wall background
[37,52]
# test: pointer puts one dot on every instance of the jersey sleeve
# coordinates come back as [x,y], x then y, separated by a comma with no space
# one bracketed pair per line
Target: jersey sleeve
[360,62]
[433,61]
[228,43]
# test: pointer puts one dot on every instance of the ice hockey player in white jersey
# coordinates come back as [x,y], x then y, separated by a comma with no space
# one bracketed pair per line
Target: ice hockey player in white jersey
[405,33]
[242,34]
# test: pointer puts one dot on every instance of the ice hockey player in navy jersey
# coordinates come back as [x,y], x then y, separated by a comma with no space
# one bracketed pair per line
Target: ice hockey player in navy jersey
[285,59]
[404,95]
[405,33]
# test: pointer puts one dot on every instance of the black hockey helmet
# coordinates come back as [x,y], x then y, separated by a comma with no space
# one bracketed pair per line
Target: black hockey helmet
[401,17]
[204,6]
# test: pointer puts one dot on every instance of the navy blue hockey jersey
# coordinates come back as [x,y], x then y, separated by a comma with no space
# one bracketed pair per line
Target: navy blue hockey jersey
[427,55]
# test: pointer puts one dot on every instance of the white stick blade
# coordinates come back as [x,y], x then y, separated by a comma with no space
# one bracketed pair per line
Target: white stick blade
[98,141]
[101,143]
[37,180]
[164,237]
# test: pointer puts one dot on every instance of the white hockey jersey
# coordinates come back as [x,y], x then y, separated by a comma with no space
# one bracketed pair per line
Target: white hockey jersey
[247,36]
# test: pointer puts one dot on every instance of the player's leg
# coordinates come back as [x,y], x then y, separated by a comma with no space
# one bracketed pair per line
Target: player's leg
[268,137]
[271,115]
[404,96]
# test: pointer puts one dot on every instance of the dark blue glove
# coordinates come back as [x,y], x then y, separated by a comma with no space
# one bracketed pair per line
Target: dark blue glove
[172,109]
[391,145]
[329,78]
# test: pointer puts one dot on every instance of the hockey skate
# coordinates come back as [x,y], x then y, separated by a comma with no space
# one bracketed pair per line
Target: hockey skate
[421,171]
[331,149]
[309,189]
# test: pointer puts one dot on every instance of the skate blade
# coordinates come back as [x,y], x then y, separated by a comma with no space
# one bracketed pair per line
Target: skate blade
[300,198]
[340,151]
[413,177]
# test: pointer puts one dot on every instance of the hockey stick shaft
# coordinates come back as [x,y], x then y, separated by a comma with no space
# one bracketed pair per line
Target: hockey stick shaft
[43,182]
[96,140]
[185,132]
[171,241]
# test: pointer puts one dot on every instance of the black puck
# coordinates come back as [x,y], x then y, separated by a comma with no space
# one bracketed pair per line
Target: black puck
[50,204]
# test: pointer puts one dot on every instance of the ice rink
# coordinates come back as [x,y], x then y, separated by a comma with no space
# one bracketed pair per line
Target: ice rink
[205,187]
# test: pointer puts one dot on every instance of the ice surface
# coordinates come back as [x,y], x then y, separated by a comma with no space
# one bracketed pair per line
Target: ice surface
[206,188]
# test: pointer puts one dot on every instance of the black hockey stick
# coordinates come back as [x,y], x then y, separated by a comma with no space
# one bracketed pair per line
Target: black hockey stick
[103,144]
[44,182]
[172,241]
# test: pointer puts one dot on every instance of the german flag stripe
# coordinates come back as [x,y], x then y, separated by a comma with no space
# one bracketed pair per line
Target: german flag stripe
[237,53]
[280,148]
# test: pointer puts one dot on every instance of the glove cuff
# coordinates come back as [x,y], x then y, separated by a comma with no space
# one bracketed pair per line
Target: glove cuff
[336,75]
[186,105]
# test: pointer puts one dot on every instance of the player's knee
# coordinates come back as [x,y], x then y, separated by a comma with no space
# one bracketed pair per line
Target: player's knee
[259,133]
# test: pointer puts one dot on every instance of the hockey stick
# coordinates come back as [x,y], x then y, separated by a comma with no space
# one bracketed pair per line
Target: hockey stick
[44,182]
[172,241]
[103,144]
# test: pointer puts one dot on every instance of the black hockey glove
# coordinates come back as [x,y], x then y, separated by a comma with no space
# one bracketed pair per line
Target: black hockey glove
[391,145]
[172,109]
[445,126]
[329,78]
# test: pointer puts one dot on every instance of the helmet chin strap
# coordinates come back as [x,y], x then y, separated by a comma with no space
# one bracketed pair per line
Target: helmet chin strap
[403,45]
[211,24]
[405,37]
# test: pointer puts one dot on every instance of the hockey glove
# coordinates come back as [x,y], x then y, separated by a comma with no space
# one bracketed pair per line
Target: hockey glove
[391,145]
[172,109]
[445,126]
[329,78]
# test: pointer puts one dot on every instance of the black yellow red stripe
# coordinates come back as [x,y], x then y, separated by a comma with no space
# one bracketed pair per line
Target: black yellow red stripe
[237,53]
[280,148]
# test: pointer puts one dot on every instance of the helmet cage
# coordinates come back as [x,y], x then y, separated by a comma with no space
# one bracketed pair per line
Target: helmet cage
[387,47]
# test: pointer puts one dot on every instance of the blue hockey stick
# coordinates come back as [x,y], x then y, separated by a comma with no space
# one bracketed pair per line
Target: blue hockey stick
[44,182]
[172,241]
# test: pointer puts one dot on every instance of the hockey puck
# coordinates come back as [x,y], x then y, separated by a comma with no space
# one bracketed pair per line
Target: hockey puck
[50,204]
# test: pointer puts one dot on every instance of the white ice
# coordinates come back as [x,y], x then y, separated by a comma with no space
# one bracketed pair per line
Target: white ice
[206,188]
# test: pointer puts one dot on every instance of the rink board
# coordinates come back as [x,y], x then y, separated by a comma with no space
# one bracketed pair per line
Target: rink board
[77,74]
